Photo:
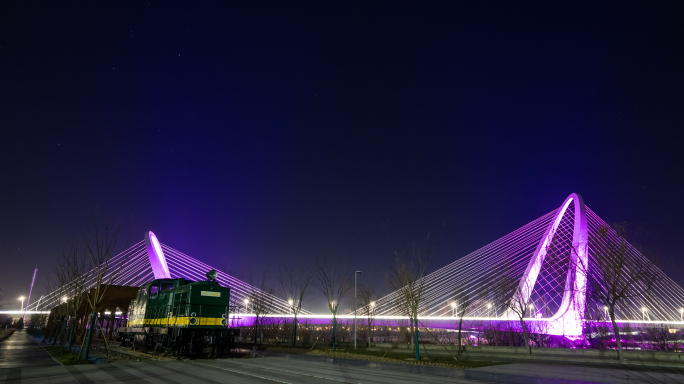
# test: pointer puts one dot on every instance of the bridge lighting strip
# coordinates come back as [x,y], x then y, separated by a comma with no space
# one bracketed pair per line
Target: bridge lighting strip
[26,312]
[444,318]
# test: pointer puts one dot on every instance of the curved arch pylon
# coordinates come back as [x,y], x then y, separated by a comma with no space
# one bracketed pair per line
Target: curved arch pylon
[569,318]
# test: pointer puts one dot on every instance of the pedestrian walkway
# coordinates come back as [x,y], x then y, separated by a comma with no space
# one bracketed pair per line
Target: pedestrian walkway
[20,351]
[530,373]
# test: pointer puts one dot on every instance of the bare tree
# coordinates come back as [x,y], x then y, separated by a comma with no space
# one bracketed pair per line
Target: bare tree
[294,285]
[518,304]
[462,301]
[406,278]
[71,271]
[261,301]
[334,283]
[99,246]
[614,274]
[367,295]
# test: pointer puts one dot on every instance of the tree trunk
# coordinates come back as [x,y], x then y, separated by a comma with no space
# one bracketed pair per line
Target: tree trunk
[618,342]
[334,330]
[112,320]
[294,332]
[417,342]
[84,354]
[369,334]
[71,332]
[256,330]
[526,336]
[458,348]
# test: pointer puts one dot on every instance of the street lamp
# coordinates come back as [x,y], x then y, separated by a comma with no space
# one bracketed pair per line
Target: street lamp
[681,315]
[246,303]
[489,307]
[643,313]
[355,274]
[22,302]
[531,309]
[291,302]
[64,299]
[453,309]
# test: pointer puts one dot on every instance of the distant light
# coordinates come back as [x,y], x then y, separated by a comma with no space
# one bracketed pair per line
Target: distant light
[290,302]
[489,305]
[21,298]
[373,305]
[453,305]
[644,309]
[64,299]
[531,305]
[246,301]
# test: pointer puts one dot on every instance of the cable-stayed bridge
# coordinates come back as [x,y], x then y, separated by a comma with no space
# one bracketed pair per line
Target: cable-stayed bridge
[549,259]
[135,266]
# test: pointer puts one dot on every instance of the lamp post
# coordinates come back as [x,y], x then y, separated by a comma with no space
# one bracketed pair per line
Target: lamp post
[643,313]
[246,304]
[355,274]
[531,309]
[681,315]
[291,302]
[453,309]
[489,307]
[22,302]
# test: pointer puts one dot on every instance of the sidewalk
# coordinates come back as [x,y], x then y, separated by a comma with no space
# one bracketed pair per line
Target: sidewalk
[20,351]
[530,373]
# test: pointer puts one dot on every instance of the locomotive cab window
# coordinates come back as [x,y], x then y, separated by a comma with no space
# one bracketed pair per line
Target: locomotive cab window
[153,291]
[166,286]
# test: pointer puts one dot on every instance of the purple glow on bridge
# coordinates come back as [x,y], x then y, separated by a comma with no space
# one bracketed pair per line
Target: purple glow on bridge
[554,291]
[156,256]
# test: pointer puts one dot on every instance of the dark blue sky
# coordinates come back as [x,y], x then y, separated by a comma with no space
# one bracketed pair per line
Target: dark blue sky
[264,134]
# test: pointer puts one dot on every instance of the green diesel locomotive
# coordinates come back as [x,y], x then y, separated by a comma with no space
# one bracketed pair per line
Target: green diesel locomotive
[180,317]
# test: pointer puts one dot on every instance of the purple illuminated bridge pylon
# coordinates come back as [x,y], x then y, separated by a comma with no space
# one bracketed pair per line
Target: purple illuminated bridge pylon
[546,258]
[553,283]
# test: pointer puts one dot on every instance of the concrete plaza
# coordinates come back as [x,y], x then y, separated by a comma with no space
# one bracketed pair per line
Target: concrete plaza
[22,360]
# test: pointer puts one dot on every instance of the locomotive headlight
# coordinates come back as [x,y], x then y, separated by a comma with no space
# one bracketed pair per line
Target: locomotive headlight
[193,321]
[224,322]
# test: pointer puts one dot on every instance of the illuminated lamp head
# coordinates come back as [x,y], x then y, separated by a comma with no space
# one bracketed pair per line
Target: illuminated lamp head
[211,275]
[157,260]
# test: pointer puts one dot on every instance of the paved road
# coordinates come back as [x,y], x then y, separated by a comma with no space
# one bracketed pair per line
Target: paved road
[24,361]
[20,351]
[304,370]
[554,373]
[235,371]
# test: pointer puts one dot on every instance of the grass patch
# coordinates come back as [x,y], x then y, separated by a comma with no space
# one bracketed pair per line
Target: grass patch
[392,357]
[5,333]
[65,357]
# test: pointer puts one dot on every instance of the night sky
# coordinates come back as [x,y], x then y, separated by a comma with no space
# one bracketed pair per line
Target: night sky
[263,134]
